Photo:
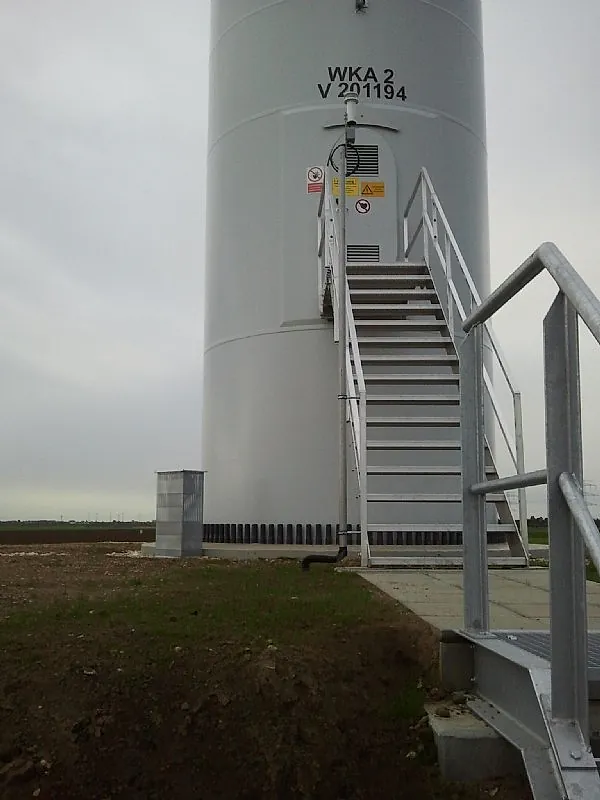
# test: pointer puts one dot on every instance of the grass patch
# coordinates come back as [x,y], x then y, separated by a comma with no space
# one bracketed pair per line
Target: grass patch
[538,536]
[591,572]
[198,602]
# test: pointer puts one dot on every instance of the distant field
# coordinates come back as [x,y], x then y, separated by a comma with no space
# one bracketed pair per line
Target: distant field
[65,533]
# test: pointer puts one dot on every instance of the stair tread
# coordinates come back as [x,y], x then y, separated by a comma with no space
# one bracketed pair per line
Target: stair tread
[382,265]
[414,444]
[434,527]
[415,422]
[446,358]
[388,377]
[401,323]
[387,292]
[402,307]
[426,399]
[445,560]
[405,340]
[427,470]
[401,278]
[439,497]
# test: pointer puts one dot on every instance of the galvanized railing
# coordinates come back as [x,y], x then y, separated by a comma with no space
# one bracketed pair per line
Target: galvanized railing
[571,528]
[329,286]
[444,245]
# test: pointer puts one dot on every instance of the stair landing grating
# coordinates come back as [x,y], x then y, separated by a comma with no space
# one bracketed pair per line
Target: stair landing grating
[538,644]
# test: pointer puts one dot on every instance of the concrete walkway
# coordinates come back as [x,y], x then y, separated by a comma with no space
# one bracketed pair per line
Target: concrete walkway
[519,598]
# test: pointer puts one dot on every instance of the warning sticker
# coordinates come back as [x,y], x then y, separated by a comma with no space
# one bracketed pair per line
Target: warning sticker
[314,179]
[352,187]
[314,175]
[372,188]
[362,206]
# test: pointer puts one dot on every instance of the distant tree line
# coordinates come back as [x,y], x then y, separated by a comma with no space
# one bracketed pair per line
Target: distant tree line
[542,522]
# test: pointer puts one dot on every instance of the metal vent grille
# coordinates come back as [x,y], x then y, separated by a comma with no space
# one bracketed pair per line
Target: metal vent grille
[357,253]
[368,160]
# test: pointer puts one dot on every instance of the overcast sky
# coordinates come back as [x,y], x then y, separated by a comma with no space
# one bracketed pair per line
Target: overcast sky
[102,149]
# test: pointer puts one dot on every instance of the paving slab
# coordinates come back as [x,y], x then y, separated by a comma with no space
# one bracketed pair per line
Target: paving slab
[519,598]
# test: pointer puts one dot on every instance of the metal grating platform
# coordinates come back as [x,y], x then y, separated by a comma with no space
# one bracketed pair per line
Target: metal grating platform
[538,643]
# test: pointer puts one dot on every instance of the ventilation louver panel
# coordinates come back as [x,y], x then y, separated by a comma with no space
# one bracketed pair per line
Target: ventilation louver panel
[358,253]
[365,161]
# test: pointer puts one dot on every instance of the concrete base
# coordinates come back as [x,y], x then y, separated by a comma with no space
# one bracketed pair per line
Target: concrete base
[468,749]
[246,552]
[149,550]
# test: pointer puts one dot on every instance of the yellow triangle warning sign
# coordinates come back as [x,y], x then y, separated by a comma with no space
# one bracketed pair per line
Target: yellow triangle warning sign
[372,188]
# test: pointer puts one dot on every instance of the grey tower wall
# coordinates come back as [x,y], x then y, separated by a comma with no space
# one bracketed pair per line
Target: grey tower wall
[270,397]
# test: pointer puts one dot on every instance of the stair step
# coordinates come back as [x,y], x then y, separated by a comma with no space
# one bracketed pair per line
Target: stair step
[391,268]
[426,498]
[403,324]
[389,280]
[374,310]
[437,562]
[415,399]
[412,360]
[413,422]
[419,444]
[392,295]
[405,341]
[434,527]
[427,470]
[416,378]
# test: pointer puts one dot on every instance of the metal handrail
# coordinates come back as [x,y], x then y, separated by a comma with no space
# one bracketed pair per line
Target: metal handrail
[581,514]
[571,526]
[329,258]
[429,227]
[547,257]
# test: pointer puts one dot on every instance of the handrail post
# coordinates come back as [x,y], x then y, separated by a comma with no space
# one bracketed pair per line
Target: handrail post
[520,453]
[568,608]
[475,556]
[448,270]
[406,238]
[434,219]
[425,214]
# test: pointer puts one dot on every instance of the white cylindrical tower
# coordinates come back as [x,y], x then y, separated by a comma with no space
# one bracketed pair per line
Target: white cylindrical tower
[278,73]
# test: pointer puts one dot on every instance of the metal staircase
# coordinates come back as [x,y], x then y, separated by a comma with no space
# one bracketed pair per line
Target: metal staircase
[404,410]
[411,373]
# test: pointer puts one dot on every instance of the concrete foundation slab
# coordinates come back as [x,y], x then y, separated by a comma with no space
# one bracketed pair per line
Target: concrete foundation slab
[468,749]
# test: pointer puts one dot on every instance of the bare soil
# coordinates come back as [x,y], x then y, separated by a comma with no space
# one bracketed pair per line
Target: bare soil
[143,679]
